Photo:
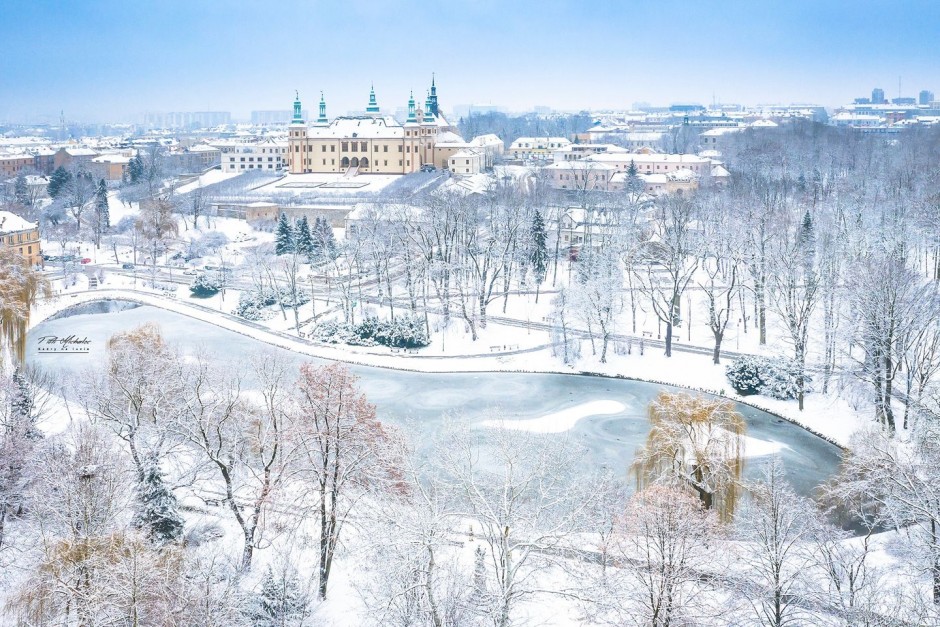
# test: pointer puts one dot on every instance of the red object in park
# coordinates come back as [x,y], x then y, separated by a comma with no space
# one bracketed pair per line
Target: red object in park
[86,260]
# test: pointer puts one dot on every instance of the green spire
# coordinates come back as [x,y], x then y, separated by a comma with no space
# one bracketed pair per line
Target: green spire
[373,105]
[433,100]
[298,115]
[321,119]
[428,113]
[412,117]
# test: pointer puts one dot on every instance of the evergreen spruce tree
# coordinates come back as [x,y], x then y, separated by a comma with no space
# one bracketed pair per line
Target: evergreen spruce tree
[806,242]
[58,182]
[135,169]
[538,254]
[101,206]
[280,602]
[316,244]
[284,239]
[303,237]
[478,595]
[22,406]
[20,190]
[634,183]
[327,240]
[157,514]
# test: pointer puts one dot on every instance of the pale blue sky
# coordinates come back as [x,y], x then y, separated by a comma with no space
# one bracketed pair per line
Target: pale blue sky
[114,59]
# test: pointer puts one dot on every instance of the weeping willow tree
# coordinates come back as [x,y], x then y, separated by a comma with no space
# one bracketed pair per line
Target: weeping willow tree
[695,443]
[20,287]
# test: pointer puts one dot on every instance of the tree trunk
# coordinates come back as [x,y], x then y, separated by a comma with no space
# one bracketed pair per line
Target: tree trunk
[716,354]
[669,339]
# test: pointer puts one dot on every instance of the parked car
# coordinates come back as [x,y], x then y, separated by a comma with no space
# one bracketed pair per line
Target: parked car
[85,260]
[190,272]
[427,167]
[127,266]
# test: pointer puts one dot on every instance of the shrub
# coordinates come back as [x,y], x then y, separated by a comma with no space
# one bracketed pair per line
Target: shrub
[206,284]
[774,377]
[251,306]
[403,332]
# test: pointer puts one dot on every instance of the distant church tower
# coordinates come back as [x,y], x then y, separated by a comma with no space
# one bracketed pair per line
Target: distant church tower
[296,138]
[412,115]
[298,114]
[432,99]
[373,108]
[321,119]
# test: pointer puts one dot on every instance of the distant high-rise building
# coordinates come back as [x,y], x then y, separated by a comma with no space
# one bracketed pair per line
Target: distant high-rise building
[925,98]
[281,116]
[187,119]
[878,96]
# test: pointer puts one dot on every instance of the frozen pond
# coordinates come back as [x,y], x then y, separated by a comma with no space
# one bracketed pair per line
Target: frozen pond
[606,416]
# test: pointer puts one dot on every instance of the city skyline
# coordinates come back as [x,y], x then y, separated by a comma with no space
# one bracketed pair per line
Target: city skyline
[109,61]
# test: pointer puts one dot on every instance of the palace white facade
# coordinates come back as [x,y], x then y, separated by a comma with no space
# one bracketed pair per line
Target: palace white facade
[372,143]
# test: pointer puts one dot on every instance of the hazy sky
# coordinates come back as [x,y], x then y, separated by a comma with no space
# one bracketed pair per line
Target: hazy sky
[112,60]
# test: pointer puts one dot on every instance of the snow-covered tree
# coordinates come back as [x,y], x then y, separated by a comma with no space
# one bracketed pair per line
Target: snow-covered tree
[672,261]
[344,451]
[538,251]
[20,289]
[281,601]
[663,543]
[695,443]
[775,528]
[285,241]
[157,510]
[303,238]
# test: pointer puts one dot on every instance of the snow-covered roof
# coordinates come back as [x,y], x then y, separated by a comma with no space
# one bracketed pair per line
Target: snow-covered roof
[80,152]
[545,141]
[580,165]
[364,127]
[111,159]
[645,157]
[203,148]
[720,171]
[718,132]
[486,140]
[11,223]
[466,153]
[449,137]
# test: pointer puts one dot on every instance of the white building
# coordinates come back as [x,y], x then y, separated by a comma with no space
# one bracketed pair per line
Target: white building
[268,155]
[536,147]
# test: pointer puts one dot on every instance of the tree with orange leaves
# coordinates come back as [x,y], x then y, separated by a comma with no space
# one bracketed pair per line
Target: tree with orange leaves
[345,452]
[20,287]
[695,442]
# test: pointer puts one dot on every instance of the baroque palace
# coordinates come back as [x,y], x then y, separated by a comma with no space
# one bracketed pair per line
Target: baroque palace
[372,143]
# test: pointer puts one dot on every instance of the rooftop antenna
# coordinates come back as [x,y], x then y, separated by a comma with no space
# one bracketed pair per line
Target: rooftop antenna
[899,87]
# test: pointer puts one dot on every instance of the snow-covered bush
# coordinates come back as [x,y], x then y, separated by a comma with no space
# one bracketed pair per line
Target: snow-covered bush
[745,376]
[206,284]
[403,332]
[287,299]
[251,306]
[209,243]
[774,377]
[335,332]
